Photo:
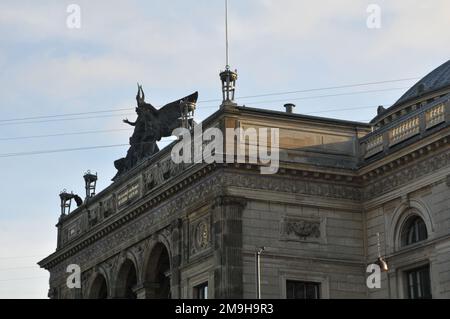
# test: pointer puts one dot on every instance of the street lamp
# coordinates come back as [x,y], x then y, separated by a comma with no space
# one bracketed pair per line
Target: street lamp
[258,271]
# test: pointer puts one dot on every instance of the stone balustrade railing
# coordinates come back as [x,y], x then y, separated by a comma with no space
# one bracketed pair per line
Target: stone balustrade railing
[418,122]
[435,115]
[404,130]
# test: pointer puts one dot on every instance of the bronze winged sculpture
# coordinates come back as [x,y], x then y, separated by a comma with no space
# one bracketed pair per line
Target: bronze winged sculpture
[150,126]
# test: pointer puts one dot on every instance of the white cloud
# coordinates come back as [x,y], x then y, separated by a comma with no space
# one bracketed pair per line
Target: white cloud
[178,46]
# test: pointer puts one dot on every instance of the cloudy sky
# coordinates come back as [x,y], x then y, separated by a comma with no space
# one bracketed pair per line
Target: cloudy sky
[49,73]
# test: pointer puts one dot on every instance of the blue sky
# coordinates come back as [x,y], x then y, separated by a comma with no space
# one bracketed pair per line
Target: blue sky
[174,48]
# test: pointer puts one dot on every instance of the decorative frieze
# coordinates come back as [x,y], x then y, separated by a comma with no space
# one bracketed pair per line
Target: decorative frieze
[126,228]
[297,186]
[161,172]
[402,176]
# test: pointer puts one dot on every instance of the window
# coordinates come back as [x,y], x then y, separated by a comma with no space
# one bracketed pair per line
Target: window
[419,286]
[413,231]
[302,290]
[201,291]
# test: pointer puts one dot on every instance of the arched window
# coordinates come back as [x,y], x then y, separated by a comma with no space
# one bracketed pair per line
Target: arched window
[414,230]
[158,272]
[126,280]
[99,289]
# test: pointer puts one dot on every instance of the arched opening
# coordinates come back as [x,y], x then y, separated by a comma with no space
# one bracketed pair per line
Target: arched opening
[99,288]
[158,272]
[413,231]
[127,280]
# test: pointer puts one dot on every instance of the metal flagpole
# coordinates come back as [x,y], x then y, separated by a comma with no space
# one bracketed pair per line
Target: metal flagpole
[226,35]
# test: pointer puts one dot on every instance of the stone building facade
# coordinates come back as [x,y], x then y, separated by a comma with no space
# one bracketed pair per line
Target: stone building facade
[345,194]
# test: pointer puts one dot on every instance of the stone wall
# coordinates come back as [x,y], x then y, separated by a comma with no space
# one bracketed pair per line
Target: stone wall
[428,197]
[304,243]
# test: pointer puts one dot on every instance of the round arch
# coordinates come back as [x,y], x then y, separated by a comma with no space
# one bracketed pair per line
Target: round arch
[98,284]
[126,280]
[98,288]
[157,271]
[401,216]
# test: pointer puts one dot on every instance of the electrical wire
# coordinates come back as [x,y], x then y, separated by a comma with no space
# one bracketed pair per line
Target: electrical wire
[215,100]
[315,89]
[89,148]
[130,129]
[329,95]
[62,134]
[69,119]
[84,148]
[23,278]
[21,267]
[66,114]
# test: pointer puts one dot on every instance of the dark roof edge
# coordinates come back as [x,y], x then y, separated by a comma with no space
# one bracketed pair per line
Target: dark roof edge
[305,117]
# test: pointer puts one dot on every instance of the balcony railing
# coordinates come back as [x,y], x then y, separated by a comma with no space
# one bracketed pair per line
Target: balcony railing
[435,115]
[404,130]
[420,121]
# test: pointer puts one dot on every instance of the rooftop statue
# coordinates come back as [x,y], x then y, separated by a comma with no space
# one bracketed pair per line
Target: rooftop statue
[150,126]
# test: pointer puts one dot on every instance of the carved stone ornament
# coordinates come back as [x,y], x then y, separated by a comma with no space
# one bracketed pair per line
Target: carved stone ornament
[301,229]
[202,235]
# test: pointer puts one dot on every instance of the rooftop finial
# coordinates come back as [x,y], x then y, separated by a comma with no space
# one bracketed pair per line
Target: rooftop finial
[227,77]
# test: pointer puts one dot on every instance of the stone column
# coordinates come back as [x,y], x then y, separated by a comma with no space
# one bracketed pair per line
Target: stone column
[175,285]
[227,232]
[146,290]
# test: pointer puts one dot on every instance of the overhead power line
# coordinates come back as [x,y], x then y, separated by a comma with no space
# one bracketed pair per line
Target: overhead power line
[23,278]
[61,120]
[315,89]
[211,100]
[130,129]
[211,106]
[62,134]
[60,150]
[65,114]
[87,148]
[329,95]
[18,268]
[84,148]
[21,257]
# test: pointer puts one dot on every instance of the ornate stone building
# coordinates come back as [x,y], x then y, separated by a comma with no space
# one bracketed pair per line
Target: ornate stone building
[345,194]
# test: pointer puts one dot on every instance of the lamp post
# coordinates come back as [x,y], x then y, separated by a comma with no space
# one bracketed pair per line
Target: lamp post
[228,79]
[258,271]
[90,182]
[380,260]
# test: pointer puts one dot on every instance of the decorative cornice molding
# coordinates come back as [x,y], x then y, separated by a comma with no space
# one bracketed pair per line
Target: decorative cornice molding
[169,209]
[381,184]
[379,180]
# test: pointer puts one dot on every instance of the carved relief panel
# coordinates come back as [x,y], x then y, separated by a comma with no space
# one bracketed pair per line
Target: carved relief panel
[303,229]
[199,235]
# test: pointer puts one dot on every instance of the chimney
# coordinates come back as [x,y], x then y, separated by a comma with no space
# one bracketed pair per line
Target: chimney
[289,107]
